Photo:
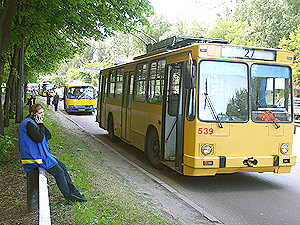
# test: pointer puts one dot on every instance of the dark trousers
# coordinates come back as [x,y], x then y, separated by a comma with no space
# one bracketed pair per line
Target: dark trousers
[55,105]
[63,179]
[31,101]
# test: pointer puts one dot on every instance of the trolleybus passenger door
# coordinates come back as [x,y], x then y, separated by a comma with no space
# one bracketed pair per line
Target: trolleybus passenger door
[171,109]
[102,106]
[126,105]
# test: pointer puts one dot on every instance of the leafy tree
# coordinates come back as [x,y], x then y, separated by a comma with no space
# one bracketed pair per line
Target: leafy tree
[198,29]
[159,28]
[233,31]
[7,8]
[293,44]
[268,20]
[55,29]
[73,74]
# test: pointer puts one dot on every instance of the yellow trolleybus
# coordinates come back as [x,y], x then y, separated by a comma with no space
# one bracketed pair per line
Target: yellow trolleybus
[203,107]
[79,97]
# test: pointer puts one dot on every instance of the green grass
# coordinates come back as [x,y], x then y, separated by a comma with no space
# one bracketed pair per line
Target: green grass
[109,202]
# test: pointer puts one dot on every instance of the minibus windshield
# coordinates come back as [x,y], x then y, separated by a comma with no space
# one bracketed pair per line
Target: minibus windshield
[271,93]
[81,93]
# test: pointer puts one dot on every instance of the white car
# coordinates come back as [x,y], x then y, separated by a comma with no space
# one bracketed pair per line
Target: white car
[297,108]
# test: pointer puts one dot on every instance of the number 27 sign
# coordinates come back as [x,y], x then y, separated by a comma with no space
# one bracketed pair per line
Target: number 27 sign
[205,131]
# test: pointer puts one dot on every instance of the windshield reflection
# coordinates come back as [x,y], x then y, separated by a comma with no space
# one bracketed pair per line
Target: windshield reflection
[81,93]
[225,86]
[271,93]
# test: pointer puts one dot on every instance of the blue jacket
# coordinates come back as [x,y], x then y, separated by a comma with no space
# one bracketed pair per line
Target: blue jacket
[34,154]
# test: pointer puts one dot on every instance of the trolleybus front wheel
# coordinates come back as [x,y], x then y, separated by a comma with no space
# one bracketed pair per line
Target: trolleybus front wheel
[153,150]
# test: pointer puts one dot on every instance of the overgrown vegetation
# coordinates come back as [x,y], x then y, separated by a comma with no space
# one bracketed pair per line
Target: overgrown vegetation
[6,146]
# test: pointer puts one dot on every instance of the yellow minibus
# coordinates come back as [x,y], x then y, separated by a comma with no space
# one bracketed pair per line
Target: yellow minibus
[79,97]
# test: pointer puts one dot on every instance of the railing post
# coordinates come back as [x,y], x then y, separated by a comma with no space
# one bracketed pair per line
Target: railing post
[32,190]
[37,195]
[44,207]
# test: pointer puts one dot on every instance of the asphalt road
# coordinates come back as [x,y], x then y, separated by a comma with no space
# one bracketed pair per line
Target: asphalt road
[242,198]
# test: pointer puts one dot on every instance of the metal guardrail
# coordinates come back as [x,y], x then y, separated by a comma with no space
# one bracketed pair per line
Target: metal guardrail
[37,195]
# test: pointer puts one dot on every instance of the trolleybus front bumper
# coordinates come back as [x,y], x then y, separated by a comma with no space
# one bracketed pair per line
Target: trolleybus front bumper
[209,166]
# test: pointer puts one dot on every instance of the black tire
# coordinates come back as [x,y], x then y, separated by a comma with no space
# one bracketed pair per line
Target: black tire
[153,150]
[110,129]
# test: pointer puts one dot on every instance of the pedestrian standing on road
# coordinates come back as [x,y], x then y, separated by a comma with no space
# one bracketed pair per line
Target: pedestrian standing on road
[35,152]
[32,98]
[34,94]
[48,95]
[55,101]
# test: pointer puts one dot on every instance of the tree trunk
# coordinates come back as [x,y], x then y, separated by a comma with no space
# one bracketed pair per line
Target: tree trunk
[20,83]
[13,98]
[9,85]
[6,18]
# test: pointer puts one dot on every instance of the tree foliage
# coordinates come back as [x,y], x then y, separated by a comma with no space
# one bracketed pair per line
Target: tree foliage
[55,30]
[231,30]
[258,23]
[293,44]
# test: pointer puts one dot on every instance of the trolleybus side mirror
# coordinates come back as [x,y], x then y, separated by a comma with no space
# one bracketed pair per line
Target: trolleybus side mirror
[189,73]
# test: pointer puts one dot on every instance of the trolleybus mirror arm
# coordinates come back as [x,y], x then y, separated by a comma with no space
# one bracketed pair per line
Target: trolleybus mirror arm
[190,75]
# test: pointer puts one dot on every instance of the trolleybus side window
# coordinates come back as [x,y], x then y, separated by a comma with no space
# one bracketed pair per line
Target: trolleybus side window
[191,102]
[156,81]
[111,84]
[223,93]
[119,83]
[271,93]
[174,91]
[139,93]
[104,88]
[191,105]
[130,89]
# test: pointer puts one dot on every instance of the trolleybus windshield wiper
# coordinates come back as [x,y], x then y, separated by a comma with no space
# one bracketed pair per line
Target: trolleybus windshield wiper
[271,117]
[211,106]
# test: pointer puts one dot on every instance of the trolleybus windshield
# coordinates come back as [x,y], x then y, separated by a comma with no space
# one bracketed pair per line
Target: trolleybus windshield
[271,93]
[223,94]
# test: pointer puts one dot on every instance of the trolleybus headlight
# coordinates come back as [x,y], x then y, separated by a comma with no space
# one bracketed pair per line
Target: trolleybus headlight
[284,148]
[206,149]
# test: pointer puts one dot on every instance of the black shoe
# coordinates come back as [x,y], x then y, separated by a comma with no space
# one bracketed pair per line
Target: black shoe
[77,198]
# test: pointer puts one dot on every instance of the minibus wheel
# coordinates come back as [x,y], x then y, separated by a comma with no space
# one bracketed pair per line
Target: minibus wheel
[153,150]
